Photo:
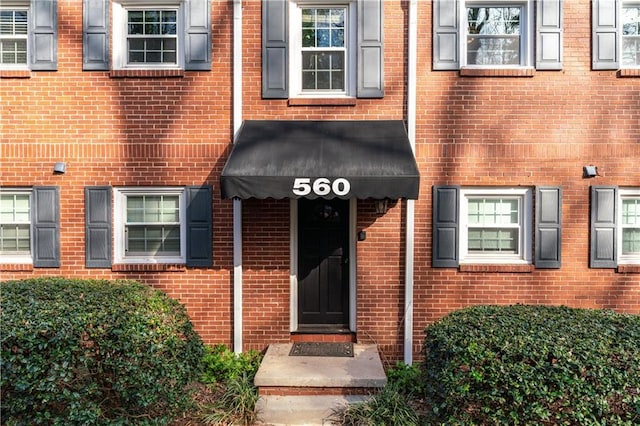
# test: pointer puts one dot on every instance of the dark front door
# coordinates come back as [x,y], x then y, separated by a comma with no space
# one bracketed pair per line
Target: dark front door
[323,264]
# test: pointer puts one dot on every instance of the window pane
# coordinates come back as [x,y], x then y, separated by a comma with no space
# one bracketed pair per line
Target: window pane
[323,70]
[493,240]
[631,35]
[631,241]
[153,240]
[631,212]
[13,37]
[488,211]
[493,35]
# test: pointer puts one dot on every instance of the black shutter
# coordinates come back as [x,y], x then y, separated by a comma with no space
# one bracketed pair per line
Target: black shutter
[43,35]
[95,35]
[198,35]
[603,227]
[45,222]
[446,218]
[199,226]
[548,227]
[275,48]
[370,49]
[97,206]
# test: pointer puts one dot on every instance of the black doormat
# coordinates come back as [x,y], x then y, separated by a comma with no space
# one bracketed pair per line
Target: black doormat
[342,349]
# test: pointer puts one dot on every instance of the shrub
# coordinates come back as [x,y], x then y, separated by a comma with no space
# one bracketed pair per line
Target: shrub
[390,406]
[533,365]
[88,351]
[407,379]
[220,364]
[236,404]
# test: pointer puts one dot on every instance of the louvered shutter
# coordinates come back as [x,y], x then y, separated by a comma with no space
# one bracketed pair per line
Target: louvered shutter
[45,222]
[548,232]
[549,35]
[98,228]
[370,49]
[604,36]
[603,242]
[43,35]
[199,226]
[198,35]
[275,49]
[446,218]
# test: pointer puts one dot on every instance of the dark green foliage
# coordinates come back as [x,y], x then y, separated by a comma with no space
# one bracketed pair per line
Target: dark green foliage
[390,406]
[221,364]
[533,365]
[407,379]
[88,351]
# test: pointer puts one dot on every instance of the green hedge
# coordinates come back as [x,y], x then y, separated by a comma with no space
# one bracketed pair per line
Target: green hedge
[88,351]
[533,365]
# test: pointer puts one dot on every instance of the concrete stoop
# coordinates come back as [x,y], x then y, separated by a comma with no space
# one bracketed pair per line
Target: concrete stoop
[307,390]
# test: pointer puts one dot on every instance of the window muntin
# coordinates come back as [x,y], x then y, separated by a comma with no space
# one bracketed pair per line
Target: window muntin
[150,225]
[495,225]
[631,34]
[323,49]
[15,225]
[152,36]
[629,229]
[13,37]
[497,34]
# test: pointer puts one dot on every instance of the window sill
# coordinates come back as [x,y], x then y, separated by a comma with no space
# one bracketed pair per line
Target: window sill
[629,73]
[15,74]
[322,101]
[497,72]
[497,268]
[143,73]
[628,269]
[16,267]
[148,267]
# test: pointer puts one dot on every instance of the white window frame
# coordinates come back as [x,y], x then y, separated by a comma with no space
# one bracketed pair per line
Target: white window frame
[527,31]
[633,3]
[14,6]
[120,33]
[625,259]
[119,221]
[295,53]
[525,208]
[21,258]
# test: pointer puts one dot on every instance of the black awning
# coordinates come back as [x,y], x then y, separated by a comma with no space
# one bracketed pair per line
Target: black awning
[311,159]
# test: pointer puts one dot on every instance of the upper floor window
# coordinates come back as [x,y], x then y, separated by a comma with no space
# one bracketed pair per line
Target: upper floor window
[497,34]
[323,62]
[147,37]
[13,37]
[28,35]
[629,226]
[631,34]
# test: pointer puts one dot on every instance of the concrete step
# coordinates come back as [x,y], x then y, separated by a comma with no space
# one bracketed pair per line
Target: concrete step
[278,410]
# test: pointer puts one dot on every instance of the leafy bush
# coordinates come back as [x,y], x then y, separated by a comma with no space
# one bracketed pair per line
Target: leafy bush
[89,351]
[533,365]
[390,406]
[236,404]
[220,364]
[407,379]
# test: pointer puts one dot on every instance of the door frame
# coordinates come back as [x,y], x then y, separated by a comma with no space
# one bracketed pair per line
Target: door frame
[293,266]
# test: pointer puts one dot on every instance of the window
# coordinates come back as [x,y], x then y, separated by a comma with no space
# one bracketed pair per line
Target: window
[323,61]
[147,37]
[629,226]
[30,226]
[498,34]
[28,35]
[631,34]
[494,35]
[322,48]
[15,226]
[13,38]
[150,225]
[495,225]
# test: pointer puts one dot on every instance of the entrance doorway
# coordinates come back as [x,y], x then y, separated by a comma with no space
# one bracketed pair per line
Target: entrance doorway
[323,265]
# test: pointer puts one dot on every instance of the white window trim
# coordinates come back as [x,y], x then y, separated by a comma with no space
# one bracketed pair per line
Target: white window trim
[18,5]
[622,4]
[119,218]
[526,216]
[295,44]
[625,259]
[22,259]
[119,37]
[527,32]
